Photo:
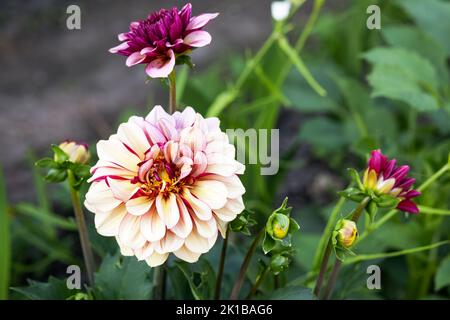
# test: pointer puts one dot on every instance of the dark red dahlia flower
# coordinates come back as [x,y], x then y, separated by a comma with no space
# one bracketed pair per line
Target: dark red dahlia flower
[164,35]
[383,176]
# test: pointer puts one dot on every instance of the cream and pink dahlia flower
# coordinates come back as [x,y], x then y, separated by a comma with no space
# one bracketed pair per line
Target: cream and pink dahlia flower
[164,35]
[166,184]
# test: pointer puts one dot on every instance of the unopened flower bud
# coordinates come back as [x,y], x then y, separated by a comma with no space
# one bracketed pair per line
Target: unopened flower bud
[77,152]
[280,226]
[280,10]
[347,233]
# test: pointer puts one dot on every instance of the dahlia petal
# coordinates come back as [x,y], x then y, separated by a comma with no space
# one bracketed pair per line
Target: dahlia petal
[129,232]
[114,151]
[233,184]
[196,243]
[184,224]
[185,14]
[201,209]
[134,59]
[400,173]
[101,197]
[168,129]
[206,229]
[156,259]
[144,252]
[155,135]
[161,67]
[222,226]
[139,206]
[148,50]
[230,210]
[200,164]
[385,186]
[187,117]
[200,21]
[408,206]
[170,243]
[168,209]
[120,47]
[412,194]
[171,151]
[156,114]
[134,137]
[211,192]
[110,171]
[122,189]
[152,227]
[108,223]
[197,39]
[125,250]
[187,255]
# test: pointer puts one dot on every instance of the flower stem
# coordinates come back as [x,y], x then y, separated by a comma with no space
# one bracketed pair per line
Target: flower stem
[337,265]
[240,280]
[159,281]
[221,266]
[172,92]
[258,282]
[82,229]
[323,269]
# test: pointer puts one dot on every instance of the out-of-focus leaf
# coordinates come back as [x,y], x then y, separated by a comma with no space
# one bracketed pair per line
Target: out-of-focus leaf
[432,16]
[122,278]
[5,241]
[403,75]
[292,293]
[54,289]
[48,219]
[323,134]
[442,278]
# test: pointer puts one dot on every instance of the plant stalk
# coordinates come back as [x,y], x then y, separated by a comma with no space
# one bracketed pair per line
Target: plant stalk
[223,254]
[172,92]
[82,230]
[337,265]
[159,280]
[240,280]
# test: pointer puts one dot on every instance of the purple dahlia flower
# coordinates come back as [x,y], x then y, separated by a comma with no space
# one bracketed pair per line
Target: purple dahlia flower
[164,35]
[383,176]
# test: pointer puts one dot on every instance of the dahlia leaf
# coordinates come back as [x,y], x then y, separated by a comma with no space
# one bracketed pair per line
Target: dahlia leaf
[122,278]
[442,278]
[54,289]
[47,163]
[292,293]
[201,278]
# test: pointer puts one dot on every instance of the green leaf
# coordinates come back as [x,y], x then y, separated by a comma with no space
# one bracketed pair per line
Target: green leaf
[201,278]
[268,243]
[432,16]
[442,278]
[221,102]
[56,175]
[120,278]
[60,155]
[45,217]
[292,293]
[323,134]
[291,53]
[47,163]
[54,289]
[403,75]
[5,241]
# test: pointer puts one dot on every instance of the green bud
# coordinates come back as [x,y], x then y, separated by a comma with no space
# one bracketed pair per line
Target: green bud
[75,152]
[280,226]
[279,263]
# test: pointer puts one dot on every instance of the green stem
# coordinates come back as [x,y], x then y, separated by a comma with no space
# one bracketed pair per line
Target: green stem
[82,229]
[337,265]
[258,282]
[323,269]
[221,265]
[172,92]
[159,280]
[240,280]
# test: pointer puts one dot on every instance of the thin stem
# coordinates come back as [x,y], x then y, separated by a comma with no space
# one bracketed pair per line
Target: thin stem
[82,229]
[172,92]
[159,280]
[258,282]
[223,254]
[332,280]
[323,269]
[337,265]
[240,280]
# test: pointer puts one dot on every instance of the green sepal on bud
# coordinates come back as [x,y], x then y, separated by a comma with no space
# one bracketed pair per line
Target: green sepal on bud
[279,228]
[353,194]
[344,237]
[243,222]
